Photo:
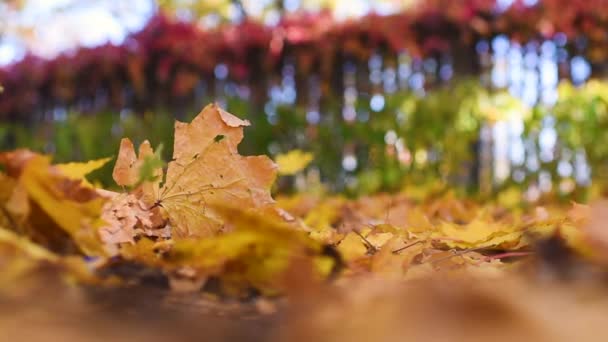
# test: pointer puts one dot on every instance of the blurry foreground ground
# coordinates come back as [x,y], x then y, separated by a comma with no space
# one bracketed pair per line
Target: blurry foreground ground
[362,310]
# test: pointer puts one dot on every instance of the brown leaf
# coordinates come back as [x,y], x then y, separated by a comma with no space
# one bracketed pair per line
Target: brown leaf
[211,124]
[125,172]
[15,161]
[207,169]
[123,214]
[230,119]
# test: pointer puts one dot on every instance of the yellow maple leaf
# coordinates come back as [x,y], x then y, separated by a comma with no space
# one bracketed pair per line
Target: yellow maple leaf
[21,258]
[25,246]
[74,209]
[352,247]
[293,162]
[46,201]
[325,214]
[78,171]
[478,233]
[255,253]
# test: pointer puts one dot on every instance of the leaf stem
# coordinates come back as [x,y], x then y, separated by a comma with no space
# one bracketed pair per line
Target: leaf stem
[397,251]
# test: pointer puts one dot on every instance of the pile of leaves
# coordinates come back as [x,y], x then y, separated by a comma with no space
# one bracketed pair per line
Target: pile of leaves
[206,221]
[209,213]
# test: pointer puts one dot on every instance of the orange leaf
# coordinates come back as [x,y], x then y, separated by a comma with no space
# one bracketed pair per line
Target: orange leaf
[207,169]
[128,166]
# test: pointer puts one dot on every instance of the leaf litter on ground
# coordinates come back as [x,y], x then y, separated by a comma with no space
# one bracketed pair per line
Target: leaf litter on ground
[207,220]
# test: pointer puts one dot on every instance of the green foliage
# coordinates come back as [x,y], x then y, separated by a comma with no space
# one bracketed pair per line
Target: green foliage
[413,139]
[148,169]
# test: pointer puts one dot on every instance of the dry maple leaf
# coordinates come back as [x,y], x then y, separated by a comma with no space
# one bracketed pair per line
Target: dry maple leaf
[127,171]
[126,168]
[206,168]
[47,204]
[122,215]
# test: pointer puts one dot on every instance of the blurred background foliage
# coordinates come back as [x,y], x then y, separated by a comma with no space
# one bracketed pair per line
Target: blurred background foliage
[482,96]
[435,138]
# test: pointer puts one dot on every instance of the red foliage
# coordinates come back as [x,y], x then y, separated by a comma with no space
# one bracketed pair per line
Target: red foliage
[170,57]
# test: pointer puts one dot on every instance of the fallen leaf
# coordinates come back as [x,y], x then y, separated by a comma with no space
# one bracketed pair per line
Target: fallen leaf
[205,171]
[293,162]
[255,253]
[125,170]
[25,246]
[140,170]
[21,260]
[122,215]
[477,234]
[74,208]
[78,171]
[47,201]
[352,247]
[587,234]
[14,161]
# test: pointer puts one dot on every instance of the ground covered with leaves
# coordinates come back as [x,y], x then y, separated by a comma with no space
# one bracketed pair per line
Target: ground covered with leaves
[198,247]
